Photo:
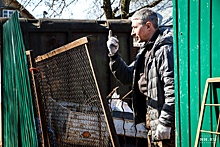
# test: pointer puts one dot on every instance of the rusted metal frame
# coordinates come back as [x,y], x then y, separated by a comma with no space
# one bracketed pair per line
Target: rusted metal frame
[45,142]
[61,49]
[105,107]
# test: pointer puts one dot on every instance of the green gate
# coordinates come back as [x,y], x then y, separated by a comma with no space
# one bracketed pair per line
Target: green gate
[197,57]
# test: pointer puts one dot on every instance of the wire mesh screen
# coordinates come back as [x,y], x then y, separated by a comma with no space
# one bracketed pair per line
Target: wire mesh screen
[71,99]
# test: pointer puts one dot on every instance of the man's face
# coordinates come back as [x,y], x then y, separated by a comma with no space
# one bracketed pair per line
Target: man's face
[140,31]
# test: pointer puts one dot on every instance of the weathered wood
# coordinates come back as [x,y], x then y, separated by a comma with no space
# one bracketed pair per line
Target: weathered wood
[213,80]
[106,110]
[217,129]
[201,115]
[61,49]
[212,104]
[210,132]
[28,54]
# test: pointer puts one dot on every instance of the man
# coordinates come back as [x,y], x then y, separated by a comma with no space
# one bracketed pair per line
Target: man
[151,76]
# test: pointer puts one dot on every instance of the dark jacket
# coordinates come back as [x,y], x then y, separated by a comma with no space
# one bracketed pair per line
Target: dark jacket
[157,59]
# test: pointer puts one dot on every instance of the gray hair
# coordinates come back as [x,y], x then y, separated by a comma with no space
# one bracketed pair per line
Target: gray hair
[145,15]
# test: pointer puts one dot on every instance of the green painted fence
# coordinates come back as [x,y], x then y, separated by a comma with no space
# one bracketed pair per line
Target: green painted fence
[197,57]
[19,129]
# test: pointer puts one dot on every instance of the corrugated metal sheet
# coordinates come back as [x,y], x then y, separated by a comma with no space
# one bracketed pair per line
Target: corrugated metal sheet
[197,54]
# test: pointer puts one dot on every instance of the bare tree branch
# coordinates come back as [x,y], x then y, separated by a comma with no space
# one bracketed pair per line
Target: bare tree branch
[154,3]
[37,5]
[27,3]
[109,8]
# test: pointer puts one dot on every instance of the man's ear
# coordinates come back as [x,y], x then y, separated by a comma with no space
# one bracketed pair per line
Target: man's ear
[148,24]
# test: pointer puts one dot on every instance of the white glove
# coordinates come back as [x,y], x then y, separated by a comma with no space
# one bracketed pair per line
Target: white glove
[163,132]
[112,43]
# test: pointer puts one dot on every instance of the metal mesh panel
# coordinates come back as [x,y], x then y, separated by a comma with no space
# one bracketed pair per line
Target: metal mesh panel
[72,102]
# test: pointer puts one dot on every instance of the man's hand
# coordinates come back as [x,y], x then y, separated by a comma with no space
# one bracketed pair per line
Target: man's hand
[112,43]
[163,132]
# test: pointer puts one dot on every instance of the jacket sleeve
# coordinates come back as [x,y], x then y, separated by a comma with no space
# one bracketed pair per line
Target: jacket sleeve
[166,72]
[121,70]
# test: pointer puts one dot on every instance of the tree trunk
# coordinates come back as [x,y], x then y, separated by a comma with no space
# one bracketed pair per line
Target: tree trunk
[125,8]
[107,9]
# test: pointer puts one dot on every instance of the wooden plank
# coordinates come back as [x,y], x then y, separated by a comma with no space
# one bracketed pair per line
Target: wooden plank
[210,132]
[212,104]
[208,81]
[106,111]
[213,80]
[28,54]
[61,49]
[217,128]
[201,114]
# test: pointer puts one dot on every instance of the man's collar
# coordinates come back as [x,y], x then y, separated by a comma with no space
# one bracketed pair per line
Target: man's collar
[154,37]
[151,42]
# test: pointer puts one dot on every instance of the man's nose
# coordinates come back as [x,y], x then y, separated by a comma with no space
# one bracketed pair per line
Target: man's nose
[132,33]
